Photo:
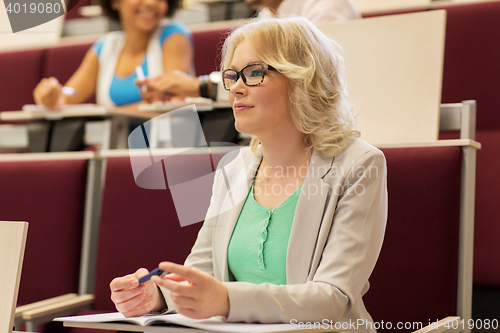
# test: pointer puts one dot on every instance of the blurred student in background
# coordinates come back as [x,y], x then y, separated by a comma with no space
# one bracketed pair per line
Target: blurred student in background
[317,11]
[109,67]
[178,83]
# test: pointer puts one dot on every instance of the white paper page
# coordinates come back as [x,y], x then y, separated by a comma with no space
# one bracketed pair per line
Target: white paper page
[202,104]
[103,318]
[71,107]
[212,324]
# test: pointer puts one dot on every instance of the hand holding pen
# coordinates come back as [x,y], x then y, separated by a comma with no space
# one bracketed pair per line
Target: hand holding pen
[194,293]
[133,298]
[147,87]
[49,93]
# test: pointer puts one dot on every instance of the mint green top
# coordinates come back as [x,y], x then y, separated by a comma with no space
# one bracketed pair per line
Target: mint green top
[257,249]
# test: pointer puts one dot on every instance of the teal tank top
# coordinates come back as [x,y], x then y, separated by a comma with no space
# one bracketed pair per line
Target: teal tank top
[258,246]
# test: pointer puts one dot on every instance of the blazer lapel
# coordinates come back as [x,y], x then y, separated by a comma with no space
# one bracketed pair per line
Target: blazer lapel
[307,220]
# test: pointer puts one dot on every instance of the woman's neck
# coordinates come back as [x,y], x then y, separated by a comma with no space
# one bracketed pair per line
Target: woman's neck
[285,152]
[136,41]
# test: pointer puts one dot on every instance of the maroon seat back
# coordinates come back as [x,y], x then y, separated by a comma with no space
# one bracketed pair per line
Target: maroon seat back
[471,67]
[139,227]
[487,212]
[73,7]
[207,50]
[20,73]
[415,279]
[50,196]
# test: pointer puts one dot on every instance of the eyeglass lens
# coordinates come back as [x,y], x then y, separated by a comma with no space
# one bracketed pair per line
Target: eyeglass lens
[252,76]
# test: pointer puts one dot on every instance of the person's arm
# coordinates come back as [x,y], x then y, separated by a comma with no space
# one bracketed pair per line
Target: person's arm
[84,80]
[178,83]
[177,58]
[177,54]
[176,80]
[326,11]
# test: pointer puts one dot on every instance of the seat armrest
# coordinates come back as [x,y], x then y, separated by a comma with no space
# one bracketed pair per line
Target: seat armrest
[31,306]
[59,308]
[448,325]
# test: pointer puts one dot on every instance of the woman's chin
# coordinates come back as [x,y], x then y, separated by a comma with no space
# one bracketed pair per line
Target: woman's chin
[242,127]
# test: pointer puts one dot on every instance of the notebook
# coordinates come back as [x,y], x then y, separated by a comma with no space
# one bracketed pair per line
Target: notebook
[12,243]
[177,322]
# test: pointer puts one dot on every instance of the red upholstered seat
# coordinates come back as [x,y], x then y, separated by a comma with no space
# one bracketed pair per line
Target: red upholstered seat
[139,227]
[207,50]
[471,67]
[487,213]
[472,72]
[73,7]
[49,195]
[20,72]
[415,278]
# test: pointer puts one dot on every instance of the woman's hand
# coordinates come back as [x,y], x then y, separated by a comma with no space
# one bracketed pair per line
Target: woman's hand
[177,83]
[132,299]
[173,85]
[195,294]
[148,92]
[48,93]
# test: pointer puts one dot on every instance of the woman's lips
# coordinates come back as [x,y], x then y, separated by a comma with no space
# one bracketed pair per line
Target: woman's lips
[240,107]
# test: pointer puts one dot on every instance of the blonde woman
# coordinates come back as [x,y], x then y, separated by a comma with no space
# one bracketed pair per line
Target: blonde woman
[311,203]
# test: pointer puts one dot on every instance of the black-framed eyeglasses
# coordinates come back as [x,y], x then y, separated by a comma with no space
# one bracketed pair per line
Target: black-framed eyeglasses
[252,75]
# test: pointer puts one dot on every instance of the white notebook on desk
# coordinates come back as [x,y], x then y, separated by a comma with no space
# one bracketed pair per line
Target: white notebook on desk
[67,107]
[202,104]
[164,323]
[33,112]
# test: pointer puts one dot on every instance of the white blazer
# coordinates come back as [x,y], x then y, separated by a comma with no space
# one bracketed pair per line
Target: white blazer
[335,240]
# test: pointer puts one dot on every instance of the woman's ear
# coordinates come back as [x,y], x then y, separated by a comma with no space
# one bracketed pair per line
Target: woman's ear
[115,4]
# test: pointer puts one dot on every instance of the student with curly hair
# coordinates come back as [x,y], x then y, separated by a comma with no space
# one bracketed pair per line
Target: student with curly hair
[108,68]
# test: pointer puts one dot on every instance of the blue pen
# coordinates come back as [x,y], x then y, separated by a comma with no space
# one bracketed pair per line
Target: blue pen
[147,277]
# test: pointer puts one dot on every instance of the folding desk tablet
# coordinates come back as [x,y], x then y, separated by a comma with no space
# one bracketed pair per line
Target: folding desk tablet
[394,67]
[12,243]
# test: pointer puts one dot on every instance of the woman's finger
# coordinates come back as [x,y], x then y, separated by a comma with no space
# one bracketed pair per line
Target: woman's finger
[190,274]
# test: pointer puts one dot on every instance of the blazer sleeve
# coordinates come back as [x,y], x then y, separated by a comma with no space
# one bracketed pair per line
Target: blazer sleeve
[334,290]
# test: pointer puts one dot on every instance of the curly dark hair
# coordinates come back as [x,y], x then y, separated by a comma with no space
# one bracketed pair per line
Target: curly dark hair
[107,7]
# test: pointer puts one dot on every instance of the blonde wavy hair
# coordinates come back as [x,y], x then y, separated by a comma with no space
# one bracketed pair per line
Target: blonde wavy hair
[308,58]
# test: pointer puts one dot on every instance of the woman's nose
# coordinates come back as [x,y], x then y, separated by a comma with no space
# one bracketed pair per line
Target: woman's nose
[238,87]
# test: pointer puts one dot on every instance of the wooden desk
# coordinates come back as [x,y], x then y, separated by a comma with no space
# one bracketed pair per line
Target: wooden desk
[109,127]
